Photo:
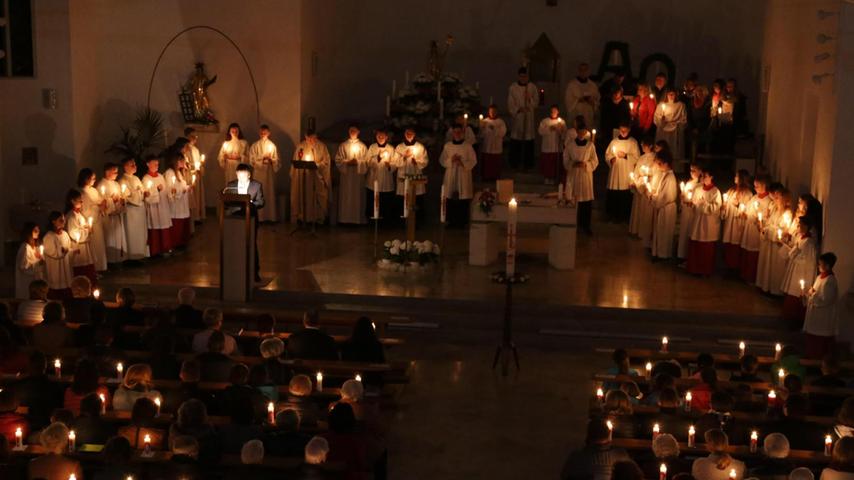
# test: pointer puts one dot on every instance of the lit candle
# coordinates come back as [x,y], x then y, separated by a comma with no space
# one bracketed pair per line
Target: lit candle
[103,190]
[781,375]
[593,137]
[510,268]
[720,110]
[803,284]
[96,294]
[124,189]
[72,477]
[652,96]
[41,250]
[754,441]
[692,435]
[443,206]
[779,234]
[726,196]
[777,350]
[376,199]
[72,440]
[90,221]
[271,413]
[480,117]
[119,371]
[406,197]
[664,342]
[103,399]
[610,430]
[157,403]
[656,430]
[682,187]
[149,184]
[741,208]
[197,165]
[77,235]
[19,438]
[691,194]
[319,381]
[600,395]
[57,367]
[465,116]
[631,177]
[203,158]
[358,378]
[662,472]
[828,445]
[772,399]
[146,440]
[631,106]
[688,398]
[648,368]
[759,216]
[193,179]
[741,348]
[732,474]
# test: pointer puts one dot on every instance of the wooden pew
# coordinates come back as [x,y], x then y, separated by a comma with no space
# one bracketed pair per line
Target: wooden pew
[762,387]
[740,451]
[743,416]
[684,357]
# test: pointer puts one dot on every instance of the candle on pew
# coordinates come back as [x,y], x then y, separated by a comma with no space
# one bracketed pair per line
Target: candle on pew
[664,342]
[600,395]
[510,263]
[376,199]
[146,441]
[157,402]
[772,399]
[688,398]
[72,477]
[57,368]
[741,348]
[648,368]
[662,472]
[781,376]
[610,425]
[96,294]
[656,430]
[358,378]
[119,371]
[754,441]
[777,350]
[271,412]
[732,474]
[692,434]
[319,381]
[828,445]
[19,438]
[72,441]
[103,403]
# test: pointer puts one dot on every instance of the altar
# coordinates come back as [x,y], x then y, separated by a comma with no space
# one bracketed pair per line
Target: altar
[485,239]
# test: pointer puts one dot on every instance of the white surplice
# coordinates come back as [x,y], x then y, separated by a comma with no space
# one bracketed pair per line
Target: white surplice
[771,265]
[81,247]
[670,120]
[577,90]
[801,265]
[664,216]
[115,233]
[733,220]
[641,211]
[757,204]
[404,154]
[57,253]
[618,176]
[232,153]
[379,162]
[821,317]
[706,226]
[92,201]
[317,183]
[265,173]
[135,217]
[521,102]
[197,196]
[492,132]
[552,138]
[158,211]
[350,161]
[580,161]
[686,216]
[457,179]
[28,268]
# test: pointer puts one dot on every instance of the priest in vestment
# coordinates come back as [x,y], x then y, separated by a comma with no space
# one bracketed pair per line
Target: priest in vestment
[264,158]
[522,99]
[233,152]
[310,188]
[582,96]
[350,161]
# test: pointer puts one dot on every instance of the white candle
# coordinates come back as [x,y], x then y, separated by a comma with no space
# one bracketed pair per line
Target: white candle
[124,189]
[57,367]
[103,399]
[319,378]
[828,445]
[376,199]
[19,438]
[41,250]
[662,470]
[732,474]
[358,378]
[146,440]
[600,394]
[648,368]
[271,413]
[777,349]
[406,198]
[754,441]
[96,294]
[443,206]
[692,433]
[741,348]
[103,190]
[511,238]
[157,403]
[203,158]
[72,441]
[387,106]
[656,430]
[90,221]
[631,106]
[803,285]
[610,425]
[664,343]
[688,398]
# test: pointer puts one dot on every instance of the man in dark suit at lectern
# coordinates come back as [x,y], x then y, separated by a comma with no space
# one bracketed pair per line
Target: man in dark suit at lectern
[244,185]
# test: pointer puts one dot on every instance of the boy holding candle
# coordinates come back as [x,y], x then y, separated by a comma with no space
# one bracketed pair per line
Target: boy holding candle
[800,273]
[462,119]
[491,132]
[580,160]
[820,323]
[458,159]
[133,193]
[640,220]
[178,186]
[115,236]
[756,208]
[94,206]
[158,214]
[380,168]
[664,207]
[82,260]
[350,161]
[621,156]
[772,264]
[552,130]
[264,158]
[687,190]
[410,158]
[735,203]
[706,228]
[57,256]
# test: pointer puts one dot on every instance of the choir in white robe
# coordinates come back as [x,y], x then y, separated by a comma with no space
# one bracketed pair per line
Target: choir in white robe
[706,224]
[57,253]
[772,254]
[29,266]
[751,237]
[81,246]
[576,90]
[265,172]
[521,102]
[618,176]
[670,120]
[178,193]
[664,216]
[551,139]
[197,175]
[350,161]
[135,217]
[317,183]
[801,265]
[821,314]
[404,154]
[580,161]
[491,133]
[379,162]
[232,153]
[686,216]
[158,211]
[92,207]
[733,220]
[115,234]
[457,180]
[470,137]
[641,207]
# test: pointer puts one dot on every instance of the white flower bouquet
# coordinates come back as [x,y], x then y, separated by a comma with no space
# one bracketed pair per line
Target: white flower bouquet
[406,252]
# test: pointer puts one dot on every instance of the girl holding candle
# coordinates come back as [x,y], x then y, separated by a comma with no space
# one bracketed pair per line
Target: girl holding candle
[94,206]
[133,192]
[820,322]
[580,160]
[758,205]
[706,229]
[82,258]
[380,169]
[410,158]
[688,192]
[800,271]
[178,186]
[670,120]
[491,132]
[458,159]
[233,152]
[736,200]
[621,156]
[350,161]
[264,158]
[157,210]
[29,262]
[195,161]
[57,258]
[664,207]
[552,130]
[772,262]
[640,220]
[115,235]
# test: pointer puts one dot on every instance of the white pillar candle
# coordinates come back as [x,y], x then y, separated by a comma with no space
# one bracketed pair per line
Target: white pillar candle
[406,198]
[376,199]
[271,413]
[741,348]
[319,378]
[19,438]
[688,398]
[662,471]
[777,350]
[664,342]
[443,206]
[656,430]
[96,294]
[103,399]
[146,440]
[610,425]
[157,403]
[120,371]
[57,367]
[692,435]
[828,445]
[754,441]
[72,441]
[511,238]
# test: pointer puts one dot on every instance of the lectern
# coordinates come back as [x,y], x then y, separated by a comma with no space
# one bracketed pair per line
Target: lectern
[237,247]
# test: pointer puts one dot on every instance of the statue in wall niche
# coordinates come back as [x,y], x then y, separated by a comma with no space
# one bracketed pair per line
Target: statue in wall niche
[195,104]
[436,61]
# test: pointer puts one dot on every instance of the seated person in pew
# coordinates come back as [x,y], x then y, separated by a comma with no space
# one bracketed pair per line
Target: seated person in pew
[239,393]
[597,458]
[660,382]
[719,416]
[264,324]
[53,463]
[252,464]
[193,421]
[190,376]
[719,463]
[748,366]
[30,311]
[842,464]
[142,423]
[214,365]
[9,419]
[363,344]
[633,391]
[665,449]
[138,383]
[186,315]
[89,426]
[775,463]
[37,392]
[86,381]
[704,361]
[618,409]
[125,313]
[52,334]
[79,308]
[802,434]
[285,439]
[801,473]
[272,349]
[311,342]
[702,392]
[669,417]
[299,399]
[314,465]
[790,361]
[627,470]
[347,446]
[621,367]
[669,367]
[117,461]
[244,424]
[213,323]
[186,462]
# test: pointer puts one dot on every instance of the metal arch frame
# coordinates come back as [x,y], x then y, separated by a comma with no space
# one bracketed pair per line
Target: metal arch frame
[223,35]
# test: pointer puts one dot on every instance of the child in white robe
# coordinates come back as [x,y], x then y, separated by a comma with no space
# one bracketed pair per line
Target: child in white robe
[800,273]
[410,158]
[735,204]
[522,99]
[94,207]
[80,231]
[553,131]
[491,131]
[706,228]
[133,194]
[196,163]
[115,233]
[580,161]
[158,213]
[820,323]
[264,158]
[458,159]
[234,151]
[664,208]
[29,263]
[640,221]
[621,155]
[686,215]
[470,137]
[178,188]
[755,213]
[772,260]
[380,169]
[350,161]
[670,120]
[57,257]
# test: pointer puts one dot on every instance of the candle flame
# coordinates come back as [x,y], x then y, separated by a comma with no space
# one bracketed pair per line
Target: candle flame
[663,467]
[513,202]
[772,394]
[270,407]
[754,435]
[648,366]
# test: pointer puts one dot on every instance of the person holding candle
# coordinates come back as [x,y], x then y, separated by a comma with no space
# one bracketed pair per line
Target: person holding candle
[735,202]
[698,120]
[264,158]
[57,256]
[458,159]
[82,258]
[580,160]
[137,383]
[522,98]
[640,219]
[233,152]
[94,207]
[642,111]
[351,163]
[133,193]
[115,233]
[196,164]
[597,458]
[820,322]
[462,119]
[86,381]
[758,205]
[670,120]
[158,212]
[687,192]
[29,263]
[800,272]
[10,420]
[665,450]
[772,256]
[410,158]
[582,96]
[53,464]
[312,204]
[491,131]
[719,463]
[842,461]
[621,155]
[553,131]
[706,227]
[178,187]
[380,170]
[664,208]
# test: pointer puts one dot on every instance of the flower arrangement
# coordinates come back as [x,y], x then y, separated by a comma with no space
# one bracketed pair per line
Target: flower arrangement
[486,201]
[406,252]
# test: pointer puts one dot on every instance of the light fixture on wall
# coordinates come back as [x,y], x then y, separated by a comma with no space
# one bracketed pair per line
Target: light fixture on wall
[818,78]
[824,14]
[822,38]
[821,57]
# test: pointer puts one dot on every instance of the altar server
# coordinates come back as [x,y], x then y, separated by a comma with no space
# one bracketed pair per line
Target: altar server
[820,323]
[94,207]
[582,96]
[462,119]
[350,161]
[621,156]
[491,132]
[639,178]
[29,263]
[800,273]
[410,158]
[115,233]
[771,265]
[310,189]
[686,216]
[158,212]
[196,164]
[735,204]
[706,227]
[458,159]
[135,212]
[57,257]
[264,158]
[670,120]
[522,99]
[755,213]
[178,194]
[664,207]
[234,151]
[580,160]
[380,167]
[79,229]
[553,131]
